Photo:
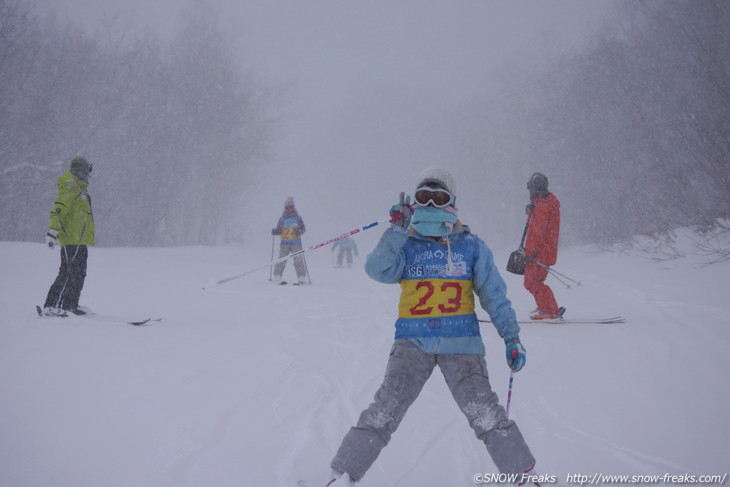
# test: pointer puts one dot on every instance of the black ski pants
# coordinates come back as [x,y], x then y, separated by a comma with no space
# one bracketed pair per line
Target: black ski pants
[66,289]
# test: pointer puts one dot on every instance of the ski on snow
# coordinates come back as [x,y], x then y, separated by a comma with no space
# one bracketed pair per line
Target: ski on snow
[92,315]
[563,321]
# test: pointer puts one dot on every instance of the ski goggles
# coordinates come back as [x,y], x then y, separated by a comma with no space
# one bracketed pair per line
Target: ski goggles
[434,196]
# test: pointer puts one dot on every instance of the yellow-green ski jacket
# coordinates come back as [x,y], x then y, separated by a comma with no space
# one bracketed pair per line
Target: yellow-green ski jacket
[71,214]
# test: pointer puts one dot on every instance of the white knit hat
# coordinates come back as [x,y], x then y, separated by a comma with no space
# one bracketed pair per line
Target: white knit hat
[439,175]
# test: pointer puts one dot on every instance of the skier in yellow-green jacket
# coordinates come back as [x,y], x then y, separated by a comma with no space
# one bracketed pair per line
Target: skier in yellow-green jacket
[72,228]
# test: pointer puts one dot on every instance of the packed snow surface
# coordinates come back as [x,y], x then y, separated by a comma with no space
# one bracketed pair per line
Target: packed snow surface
[251,383]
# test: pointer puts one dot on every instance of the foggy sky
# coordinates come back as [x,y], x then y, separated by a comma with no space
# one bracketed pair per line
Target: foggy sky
[367,86]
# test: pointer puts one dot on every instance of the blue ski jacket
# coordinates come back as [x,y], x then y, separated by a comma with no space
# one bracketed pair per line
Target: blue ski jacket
[438,280]
[290,227]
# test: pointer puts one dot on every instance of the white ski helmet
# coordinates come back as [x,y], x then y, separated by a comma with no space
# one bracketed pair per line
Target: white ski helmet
[433,174]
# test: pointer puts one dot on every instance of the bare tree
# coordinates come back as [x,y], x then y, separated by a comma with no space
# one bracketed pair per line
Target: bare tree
[173,129]
[639,121]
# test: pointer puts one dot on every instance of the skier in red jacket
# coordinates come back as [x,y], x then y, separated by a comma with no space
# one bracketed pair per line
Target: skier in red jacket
[541,246]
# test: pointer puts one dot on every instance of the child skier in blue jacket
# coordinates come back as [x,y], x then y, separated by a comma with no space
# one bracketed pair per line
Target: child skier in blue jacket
[290,227]
[440,266]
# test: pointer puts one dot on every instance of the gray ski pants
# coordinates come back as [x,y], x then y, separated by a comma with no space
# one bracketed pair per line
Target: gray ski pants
[408,369]
[286,248]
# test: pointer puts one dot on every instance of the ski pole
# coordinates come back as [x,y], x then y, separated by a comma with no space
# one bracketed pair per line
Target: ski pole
[271,268]
[511,378]
[556,273]
[306,269]
[553,272]
[567,286]
[300,252]
[509,394]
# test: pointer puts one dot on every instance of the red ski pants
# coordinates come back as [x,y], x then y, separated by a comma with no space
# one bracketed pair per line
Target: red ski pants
[535,283]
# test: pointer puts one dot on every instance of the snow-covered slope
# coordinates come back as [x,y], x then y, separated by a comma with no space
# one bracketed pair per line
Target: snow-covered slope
[251,384]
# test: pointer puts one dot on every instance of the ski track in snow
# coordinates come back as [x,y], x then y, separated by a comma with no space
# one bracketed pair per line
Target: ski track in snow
[251,383]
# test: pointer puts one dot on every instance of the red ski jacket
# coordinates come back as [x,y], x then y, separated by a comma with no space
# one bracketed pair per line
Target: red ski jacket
[543,228]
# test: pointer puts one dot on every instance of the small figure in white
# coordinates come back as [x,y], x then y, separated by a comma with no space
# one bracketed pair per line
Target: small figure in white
[347,247]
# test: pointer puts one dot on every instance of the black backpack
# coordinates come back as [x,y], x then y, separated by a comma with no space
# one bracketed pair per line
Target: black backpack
[517,261]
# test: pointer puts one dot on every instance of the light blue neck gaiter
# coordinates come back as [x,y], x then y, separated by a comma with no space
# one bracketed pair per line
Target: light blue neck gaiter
[433,222]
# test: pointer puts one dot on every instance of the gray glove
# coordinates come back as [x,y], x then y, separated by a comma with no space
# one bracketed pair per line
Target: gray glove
[51,238]
[400,214]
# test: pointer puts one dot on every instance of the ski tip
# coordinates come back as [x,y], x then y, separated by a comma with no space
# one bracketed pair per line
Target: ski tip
[144,322]
[39,311]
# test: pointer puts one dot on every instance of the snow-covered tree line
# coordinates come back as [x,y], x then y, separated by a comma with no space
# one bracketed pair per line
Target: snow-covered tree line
[638,124]
[174,129]
[632,131]
[632,128]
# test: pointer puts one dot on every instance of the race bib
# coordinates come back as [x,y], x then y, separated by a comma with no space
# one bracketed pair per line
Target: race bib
[435,297]
[289,233]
